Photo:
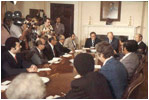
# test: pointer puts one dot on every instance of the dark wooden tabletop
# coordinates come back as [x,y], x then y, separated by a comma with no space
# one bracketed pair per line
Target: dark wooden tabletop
[60,76]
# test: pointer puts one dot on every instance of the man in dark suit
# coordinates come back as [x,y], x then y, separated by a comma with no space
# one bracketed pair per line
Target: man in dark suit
[113,41]
[141,45]
[38,56]
[130,60]
[112,69]
[59,27]
[92,41]
[59,46]
[91,85]
[50,50]
[12,62]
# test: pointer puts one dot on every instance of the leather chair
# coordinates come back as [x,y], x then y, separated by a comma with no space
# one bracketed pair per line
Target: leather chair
[137,81]
[140,67]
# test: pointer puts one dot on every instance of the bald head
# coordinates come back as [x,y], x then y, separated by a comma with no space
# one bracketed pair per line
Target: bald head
[138,37]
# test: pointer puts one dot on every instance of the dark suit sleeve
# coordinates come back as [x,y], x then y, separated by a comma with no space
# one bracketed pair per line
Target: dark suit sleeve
[10,70]
[87,43]
[75,93]
[48,53]
[24,63]
[115,44]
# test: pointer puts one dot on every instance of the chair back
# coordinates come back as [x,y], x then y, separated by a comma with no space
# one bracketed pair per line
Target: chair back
[137,81]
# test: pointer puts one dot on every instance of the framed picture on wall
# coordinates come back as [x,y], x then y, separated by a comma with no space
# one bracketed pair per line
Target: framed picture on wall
[110,10]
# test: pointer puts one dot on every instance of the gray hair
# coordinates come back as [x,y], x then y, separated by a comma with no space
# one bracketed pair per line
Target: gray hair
[61,37]
[26,86]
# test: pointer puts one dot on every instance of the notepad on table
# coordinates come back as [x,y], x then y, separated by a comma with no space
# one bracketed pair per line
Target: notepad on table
[44,69]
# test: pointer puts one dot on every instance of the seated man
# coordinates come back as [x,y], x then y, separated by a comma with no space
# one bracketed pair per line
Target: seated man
[38,56]
[113,41]
[112,69]
[130,60]
[71,42]
[50,50]
[91,42]
[59,46]
[91,85]
[13,63]
[26,86]
[141,44]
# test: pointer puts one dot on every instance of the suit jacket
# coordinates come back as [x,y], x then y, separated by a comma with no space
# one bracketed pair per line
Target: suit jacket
[61,49]
[142,46]
[60,29]
[114,44]
[38,58]
[92,86]
[48,52]
[11,67]
[68,43]
[131,63]
[116,75]
[88,42]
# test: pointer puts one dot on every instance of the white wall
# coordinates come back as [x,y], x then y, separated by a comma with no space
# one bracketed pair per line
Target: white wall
[85,9]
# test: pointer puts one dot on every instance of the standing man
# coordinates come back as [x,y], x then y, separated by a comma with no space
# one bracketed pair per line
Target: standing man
[141,44]
[113,41]
[59,27]
[92,41]
[20,30]
[12,62]
[46,28]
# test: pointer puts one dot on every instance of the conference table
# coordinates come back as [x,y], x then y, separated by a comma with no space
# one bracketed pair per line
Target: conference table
[60,75]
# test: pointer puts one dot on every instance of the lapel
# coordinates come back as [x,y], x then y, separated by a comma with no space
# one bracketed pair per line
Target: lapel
[50,49]
[38,53]
[11,59]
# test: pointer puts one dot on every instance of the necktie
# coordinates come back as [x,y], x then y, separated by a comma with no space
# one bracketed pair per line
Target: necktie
[54,52]
[110,41]
[92,43]
[74,45]
[15,59]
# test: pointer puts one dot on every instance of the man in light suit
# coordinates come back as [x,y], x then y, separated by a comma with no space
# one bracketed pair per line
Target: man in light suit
[71,42]
[59,27]
[12,62]
[141,45]
[60,46]
[113,41]
[112,69]
[50,50]
[130,60]
[38,56]
[91,42]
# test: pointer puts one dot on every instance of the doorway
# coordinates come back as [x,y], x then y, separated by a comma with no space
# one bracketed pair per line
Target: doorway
[66,13]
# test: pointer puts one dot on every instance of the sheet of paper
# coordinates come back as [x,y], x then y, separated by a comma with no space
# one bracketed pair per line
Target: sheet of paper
[44,69]
[98,66]
[6,82]
[52,97]
[55,59]
[71,60]
[77,76]
[67,55]
[4,87]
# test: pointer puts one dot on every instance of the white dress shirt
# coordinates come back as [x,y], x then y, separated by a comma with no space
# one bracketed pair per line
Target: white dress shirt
[126,56]
[107,60]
